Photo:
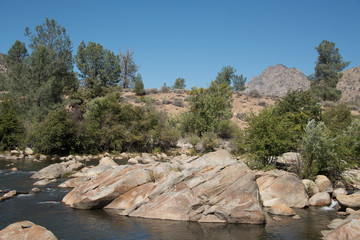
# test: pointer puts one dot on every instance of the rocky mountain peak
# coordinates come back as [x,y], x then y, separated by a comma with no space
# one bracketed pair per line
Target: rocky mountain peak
[349,84]
[277,80]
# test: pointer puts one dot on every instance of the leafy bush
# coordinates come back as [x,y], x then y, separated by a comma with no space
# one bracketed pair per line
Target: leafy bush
[337,118]
[254,94]
[56,134]
[118,127]
[270,135]
[319,152]
[165,89]
[208,107]
[178,102]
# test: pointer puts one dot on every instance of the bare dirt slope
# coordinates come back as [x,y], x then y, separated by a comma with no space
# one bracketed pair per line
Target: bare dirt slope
[243,104]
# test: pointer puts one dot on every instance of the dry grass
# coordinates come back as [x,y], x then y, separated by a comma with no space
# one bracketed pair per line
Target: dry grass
[241,104]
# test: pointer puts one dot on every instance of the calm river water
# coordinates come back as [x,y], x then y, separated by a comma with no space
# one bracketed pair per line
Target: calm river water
[46,209]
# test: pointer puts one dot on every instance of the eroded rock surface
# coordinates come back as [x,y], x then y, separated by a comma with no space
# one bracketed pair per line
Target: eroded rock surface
[212,188]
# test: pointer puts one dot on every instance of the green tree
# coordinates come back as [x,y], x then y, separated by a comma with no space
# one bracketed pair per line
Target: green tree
[208,107]
[227,76]
[99,67]
[128,68]
[54,37]
[179,83]
[328,71]
[139,85]
[11,129]
[46,83]
[15,61]
[239,82]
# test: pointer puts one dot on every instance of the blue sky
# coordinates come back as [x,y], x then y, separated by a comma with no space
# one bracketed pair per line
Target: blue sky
[194,39]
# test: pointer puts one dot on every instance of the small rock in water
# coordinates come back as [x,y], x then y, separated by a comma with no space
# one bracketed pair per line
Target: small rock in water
[296,217]
[341,213]
[35,190]
[276,218]
[14,169]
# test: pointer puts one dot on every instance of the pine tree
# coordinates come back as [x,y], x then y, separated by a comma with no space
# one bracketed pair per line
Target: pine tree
[328,71]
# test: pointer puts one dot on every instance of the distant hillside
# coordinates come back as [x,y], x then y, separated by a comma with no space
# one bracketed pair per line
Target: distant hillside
[349,85]
[277,80]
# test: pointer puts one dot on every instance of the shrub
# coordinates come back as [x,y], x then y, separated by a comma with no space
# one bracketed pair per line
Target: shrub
[56,134]
[151,91]
[254,94]
[178,102]
[139,85]
[166,101]
[319,152]
[337,118]
[270,135]
[241,116]
[165,89]
[208,107]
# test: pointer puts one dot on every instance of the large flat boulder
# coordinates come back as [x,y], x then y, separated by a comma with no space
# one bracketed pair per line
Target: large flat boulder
[287,187]
[100,191]
[26,230]
[218,190]
[348,230]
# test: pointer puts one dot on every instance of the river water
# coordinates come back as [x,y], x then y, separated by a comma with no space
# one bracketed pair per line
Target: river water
[46,209]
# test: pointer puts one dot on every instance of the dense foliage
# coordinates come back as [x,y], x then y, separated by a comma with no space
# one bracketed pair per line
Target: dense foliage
[208,108]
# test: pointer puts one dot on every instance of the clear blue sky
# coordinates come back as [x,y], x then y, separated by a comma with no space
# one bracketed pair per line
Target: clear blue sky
[195,39]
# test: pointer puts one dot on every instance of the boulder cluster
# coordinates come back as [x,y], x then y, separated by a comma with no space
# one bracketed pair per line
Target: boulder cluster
[212,188]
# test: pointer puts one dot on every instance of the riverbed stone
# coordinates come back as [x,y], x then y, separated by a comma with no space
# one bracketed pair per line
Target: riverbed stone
[146,158]
[58,170]
[281,209]
[287,187]
[108,161]
[73,182]
[28,151]
[44,182]
[26,230]
[346,231]
[217,190]
[352,200]
[133,161]
[324,184]
[339,191]
[310,187]
[320,199]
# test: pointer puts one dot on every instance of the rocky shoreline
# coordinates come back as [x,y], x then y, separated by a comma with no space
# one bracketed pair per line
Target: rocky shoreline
[212,188]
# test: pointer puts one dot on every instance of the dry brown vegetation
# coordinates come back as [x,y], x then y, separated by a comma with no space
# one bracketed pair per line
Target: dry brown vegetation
[243,104]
